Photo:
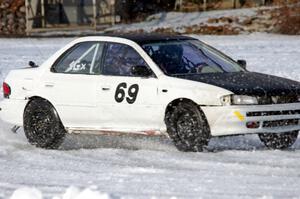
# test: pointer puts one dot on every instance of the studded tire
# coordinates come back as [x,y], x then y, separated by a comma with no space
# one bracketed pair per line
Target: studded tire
[278,140]
[187,127]
[42,125]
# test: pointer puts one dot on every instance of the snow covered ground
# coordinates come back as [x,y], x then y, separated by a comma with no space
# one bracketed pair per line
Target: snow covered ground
[125,167]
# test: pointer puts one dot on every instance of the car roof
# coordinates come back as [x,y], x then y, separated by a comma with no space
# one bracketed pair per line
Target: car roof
[145,38]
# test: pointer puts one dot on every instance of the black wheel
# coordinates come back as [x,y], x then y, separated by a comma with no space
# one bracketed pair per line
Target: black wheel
[278,140]
[42,125]
[187,127]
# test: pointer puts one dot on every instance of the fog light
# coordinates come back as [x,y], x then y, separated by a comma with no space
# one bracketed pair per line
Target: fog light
[252,125]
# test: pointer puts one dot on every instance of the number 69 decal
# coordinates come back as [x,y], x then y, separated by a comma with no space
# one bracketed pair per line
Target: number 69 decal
[121,94]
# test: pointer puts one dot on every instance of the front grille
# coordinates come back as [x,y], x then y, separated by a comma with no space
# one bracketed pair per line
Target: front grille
[270,113]
[277,99]
[280,123]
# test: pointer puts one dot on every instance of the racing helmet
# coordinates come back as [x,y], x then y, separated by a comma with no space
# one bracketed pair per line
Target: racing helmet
[171,56]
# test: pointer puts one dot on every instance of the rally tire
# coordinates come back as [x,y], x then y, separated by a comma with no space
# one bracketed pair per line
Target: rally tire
[42,125]
[278,140]
[187,127]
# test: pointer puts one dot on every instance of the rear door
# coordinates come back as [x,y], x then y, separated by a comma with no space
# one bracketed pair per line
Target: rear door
[71,84]
[126,102]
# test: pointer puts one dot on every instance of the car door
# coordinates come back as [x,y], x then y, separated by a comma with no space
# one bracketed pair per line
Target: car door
[71,84]
[126,102]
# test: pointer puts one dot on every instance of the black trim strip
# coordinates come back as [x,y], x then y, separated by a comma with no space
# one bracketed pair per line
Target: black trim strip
[270,113]
[280,123]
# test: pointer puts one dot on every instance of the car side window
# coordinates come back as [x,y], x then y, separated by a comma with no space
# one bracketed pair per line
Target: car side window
[119,59]
[83,58]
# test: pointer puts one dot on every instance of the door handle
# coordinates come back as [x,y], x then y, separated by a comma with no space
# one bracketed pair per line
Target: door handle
[49,84]
[105,88]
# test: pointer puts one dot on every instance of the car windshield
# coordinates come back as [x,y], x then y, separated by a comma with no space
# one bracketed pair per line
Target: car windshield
[189,57]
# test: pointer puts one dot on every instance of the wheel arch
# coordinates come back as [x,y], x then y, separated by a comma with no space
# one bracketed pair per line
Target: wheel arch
[175,102]
[35,97]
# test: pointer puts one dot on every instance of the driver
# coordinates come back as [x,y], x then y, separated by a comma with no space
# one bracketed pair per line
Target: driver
[172,59]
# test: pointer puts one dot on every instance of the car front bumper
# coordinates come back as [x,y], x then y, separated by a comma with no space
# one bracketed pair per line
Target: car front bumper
[12,111]
[231,120]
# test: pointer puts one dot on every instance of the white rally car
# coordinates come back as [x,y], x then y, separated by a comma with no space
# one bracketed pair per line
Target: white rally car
[149,84]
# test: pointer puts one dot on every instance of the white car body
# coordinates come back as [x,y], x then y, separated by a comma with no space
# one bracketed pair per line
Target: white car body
[85,103]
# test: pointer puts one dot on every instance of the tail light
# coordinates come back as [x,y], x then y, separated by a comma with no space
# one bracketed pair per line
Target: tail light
[6,90]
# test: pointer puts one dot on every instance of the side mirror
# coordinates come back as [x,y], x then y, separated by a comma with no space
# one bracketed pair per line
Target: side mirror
[32,64]
[140,71]
[242,63]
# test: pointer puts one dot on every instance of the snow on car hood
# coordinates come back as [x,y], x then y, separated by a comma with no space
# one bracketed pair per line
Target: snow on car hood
[248,83]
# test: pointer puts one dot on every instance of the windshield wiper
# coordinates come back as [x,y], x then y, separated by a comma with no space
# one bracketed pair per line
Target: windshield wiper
[212,60]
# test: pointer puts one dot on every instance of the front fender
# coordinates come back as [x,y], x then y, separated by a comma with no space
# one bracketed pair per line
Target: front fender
[172,88]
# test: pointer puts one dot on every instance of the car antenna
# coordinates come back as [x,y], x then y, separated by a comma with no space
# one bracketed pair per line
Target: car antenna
[32,63]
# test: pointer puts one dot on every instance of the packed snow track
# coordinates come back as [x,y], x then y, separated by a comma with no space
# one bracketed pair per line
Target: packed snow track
[144,167]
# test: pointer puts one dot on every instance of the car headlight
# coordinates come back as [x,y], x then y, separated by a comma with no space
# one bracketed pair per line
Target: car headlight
[238,100]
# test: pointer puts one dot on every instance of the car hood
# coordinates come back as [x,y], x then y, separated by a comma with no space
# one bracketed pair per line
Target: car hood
[248,83]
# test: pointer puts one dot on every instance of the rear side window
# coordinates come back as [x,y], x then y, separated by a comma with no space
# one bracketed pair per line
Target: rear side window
[119,58]
[83,58]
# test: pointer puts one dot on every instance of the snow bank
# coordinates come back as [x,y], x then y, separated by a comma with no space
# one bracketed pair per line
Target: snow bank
[88,193]
[27,193]
[71,193]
